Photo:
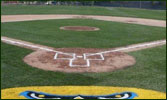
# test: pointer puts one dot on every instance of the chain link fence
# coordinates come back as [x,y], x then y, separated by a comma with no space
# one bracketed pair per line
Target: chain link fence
[130,4]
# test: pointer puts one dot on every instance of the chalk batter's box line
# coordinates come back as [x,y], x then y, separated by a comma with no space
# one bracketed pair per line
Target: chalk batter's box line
[69,54]
[86,65]
[91,54]
[74,57]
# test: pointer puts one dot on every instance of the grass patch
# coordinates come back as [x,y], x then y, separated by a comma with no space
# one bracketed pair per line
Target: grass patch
[111,34]
[148,73]
[93,10]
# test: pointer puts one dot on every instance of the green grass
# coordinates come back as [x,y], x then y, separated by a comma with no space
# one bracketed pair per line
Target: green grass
[149,72]
[111,34]
[109,11]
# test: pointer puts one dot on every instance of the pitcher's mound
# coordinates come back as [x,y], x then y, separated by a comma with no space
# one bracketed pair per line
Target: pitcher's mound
[112,61]
[79,28]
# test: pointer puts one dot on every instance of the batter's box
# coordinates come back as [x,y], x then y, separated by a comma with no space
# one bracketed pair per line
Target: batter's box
[79,63]
[64,56]
[93,56]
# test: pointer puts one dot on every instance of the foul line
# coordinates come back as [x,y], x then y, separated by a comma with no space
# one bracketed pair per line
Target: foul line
[85,56]
[136,46]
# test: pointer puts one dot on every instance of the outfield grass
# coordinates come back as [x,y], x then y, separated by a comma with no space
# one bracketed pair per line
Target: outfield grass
[109,11]
[149,72]
[111,34]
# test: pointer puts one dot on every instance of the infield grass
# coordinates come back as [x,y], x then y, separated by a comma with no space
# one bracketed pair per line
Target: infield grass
[83,10]
[149,72]
[111,34]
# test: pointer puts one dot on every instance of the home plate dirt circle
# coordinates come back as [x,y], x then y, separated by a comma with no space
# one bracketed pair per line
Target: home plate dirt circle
[45,60]
[79,28]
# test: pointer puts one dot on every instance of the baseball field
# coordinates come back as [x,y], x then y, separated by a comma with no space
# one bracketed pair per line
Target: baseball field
[80,48]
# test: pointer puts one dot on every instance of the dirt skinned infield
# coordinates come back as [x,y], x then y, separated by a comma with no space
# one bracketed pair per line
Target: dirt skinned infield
[113,61]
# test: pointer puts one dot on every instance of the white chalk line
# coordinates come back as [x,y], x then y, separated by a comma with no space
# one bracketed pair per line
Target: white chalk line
[85,55]
[15,42]
[150,44]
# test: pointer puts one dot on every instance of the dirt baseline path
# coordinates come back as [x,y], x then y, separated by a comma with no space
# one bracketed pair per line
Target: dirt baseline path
[142,21]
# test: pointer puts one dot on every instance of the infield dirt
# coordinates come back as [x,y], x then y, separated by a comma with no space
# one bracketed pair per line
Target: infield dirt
[113,61]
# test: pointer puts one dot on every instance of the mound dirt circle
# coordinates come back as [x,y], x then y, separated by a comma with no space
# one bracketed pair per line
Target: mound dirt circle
[113,61]
[79,28]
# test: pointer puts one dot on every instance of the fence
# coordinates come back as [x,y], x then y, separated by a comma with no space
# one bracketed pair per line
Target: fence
[130,4]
